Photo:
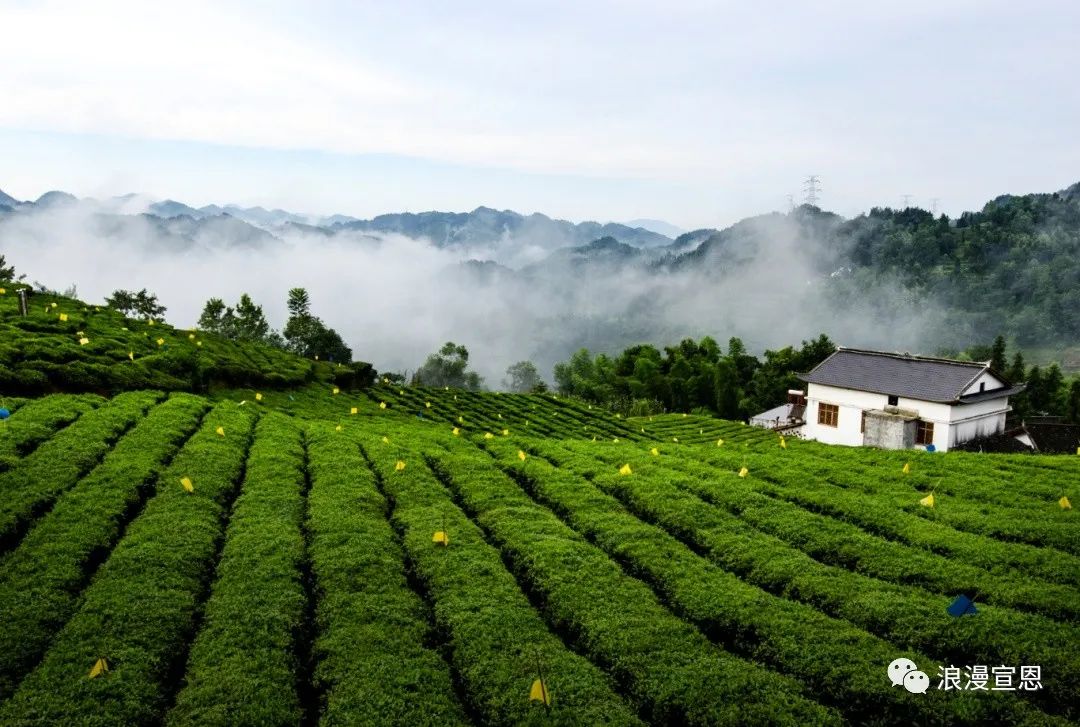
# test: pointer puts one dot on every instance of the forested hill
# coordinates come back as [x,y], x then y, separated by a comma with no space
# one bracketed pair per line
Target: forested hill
[1012,267]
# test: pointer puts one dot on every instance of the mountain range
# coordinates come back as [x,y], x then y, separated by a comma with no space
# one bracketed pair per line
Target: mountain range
[1012,267]
[481,227]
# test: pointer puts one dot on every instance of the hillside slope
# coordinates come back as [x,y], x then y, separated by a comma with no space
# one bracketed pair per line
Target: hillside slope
[66,345]
[407,556]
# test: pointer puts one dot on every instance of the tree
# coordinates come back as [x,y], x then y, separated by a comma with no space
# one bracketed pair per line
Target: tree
[448,367]
[216,317]
[299,303]
[144,303]
[522,377]
[7,272]
[1072,402]
[250,322]
[997,355]
[307,335]
[147,305]
[122,301]
[1017,371]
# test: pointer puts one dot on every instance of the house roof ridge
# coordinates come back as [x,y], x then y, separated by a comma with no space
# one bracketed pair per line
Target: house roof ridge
[914,357]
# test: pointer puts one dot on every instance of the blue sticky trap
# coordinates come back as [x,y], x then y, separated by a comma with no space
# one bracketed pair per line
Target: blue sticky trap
[4,413]
[962,606]
[931,448]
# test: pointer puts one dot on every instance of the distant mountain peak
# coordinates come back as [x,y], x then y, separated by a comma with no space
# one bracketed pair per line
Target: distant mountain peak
[660,227]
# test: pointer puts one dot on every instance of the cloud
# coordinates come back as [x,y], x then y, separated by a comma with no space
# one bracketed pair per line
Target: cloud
[396,299]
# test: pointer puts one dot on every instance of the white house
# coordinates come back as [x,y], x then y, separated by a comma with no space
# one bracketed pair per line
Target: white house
[900,401]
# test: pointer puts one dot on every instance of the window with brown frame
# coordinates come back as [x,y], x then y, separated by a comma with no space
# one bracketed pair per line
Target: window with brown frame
[828,414]
[924,432]
[862,424]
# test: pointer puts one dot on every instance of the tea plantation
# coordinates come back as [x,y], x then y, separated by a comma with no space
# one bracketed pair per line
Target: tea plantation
[297,552]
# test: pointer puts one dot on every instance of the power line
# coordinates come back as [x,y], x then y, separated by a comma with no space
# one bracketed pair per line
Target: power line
[812,187]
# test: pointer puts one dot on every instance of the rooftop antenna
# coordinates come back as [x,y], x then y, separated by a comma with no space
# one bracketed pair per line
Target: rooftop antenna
[812,187]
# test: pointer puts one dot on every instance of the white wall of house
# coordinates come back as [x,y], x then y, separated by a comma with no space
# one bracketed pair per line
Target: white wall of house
[991,381]
[977,420]
[852,404]
[952,424]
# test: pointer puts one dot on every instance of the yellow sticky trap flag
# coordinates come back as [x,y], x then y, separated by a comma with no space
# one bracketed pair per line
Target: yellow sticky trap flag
[461,419]
[427,404]
[615,439]
[54,305]
[456,431]
[337,428]
[506,432]
[3,291]
[684,415]
[161,342]
[83,341]
[488,435]
[674,439]
[336,391]
[100,667]
[131,355]
[198,343]
[191,336]
[643,430]
[220,431]
[386,440]
[63,316]
[401,392]
[521,455]
[1065,504]
[654,452]
[399,466]
[500,416]
[441,538]
[80,333]
[783,443]
[258,397]
[150,322]
[386,380]
[743,472]
[625,470]
[382,404]
[907,468]
[719,442]
[540,693]
[186,482]
[927,501]
[354,410]
[618,416]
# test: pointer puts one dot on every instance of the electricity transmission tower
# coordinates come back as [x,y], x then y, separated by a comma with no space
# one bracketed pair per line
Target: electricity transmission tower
[907,200]
[790,203]
[812,187]
[934,205]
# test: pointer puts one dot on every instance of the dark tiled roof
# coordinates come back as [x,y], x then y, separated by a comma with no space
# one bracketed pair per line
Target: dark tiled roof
[1054,438]
[913,377]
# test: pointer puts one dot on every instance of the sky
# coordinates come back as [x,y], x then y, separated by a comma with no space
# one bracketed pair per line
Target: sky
[697,113]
